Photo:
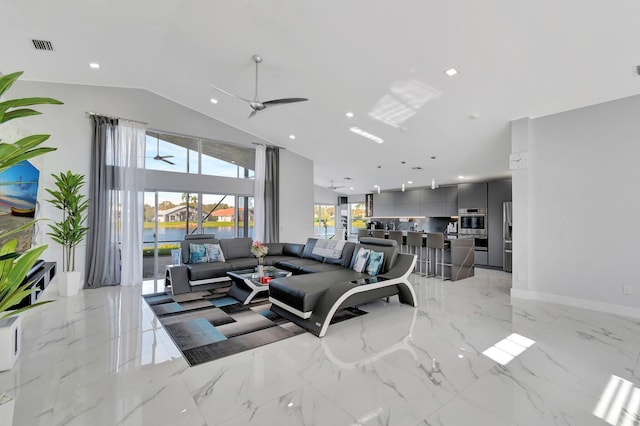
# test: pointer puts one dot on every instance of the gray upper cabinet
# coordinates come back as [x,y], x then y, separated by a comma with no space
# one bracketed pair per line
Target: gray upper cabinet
[440,202]
[472,195]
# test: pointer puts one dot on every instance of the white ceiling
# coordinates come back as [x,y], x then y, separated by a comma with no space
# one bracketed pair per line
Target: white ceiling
[515,58]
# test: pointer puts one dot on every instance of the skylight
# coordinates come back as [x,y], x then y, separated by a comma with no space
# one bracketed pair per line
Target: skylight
[402,102]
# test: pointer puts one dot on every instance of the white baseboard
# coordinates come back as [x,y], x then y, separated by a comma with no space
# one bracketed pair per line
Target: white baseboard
[609,308]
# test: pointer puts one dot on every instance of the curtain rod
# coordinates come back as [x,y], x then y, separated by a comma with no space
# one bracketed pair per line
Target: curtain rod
[113,116]
[268,146]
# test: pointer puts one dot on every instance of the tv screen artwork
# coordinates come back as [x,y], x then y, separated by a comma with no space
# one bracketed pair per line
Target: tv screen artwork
[18,192]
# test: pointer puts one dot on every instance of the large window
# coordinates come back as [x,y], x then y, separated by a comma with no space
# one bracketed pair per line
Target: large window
[358,219]
[173,153]
[324,220]
[213,202]
[169,216]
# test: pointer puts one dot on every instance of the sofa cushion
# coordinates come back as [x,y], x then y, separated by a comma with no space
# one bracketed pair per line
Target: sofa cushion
[375,262]
[214,252]
[307,253]
[243,263]
[345,258]
[274,260]
[195,239]
[235,248]
[197,253]
[292,249]
[314,267]
[360,259]
[388,247]
[295,264]
[301,292]
[275,249]
[205,271]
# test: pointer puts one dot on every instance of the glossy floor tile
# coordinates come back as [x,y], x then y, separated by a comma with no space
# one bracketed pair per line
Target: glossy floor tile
[102,358]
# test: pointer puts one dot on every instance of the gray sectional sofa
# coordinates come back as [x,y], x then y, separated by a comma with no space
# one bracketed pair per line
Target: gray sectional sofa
[319,286]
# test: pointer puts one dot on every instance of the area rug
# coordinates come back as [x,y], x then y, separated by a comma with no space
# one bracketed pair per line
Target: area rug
[209,325]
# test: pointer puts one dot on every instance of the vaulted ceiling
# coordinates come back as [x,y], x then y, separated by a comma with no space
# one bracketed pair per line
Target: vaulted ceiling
[383,61]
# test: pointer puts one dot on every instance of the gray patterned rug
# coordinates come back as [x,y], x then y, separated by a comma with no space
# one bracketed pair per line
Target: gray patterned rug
[208,325]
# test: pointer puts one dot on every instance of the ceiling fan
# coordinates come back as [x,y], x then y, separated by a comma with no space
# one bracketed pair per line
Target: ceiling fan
[162,157]
[255,104]
[333,187]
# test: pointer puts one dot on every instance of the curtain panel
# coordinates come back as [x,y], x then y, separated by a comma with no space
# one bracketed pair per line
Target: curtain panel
[103,255]
[272,195]
[259,212]
[116,203]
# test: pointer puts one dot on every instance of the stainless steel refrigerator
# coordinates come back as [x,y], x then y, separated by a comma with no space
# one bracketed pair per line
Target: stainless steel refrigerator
[507,229]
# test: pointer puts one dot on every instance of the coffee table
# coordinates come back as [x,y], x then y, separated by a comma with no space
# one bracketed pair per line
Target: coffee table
[246,283]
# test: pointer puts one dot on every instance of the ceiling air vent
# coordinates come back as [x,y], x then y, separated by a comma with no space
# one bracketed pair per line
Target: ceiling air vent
[42,45]
[638,69]
[416,168]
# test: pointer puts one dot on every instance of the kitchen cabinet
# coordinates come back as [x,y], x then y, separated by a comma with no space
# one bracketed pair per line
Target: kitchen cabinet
[427,202]
[472,195]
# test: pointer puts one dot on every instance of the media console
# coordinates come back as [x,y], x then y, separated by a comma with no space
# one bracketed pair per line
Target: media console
[41,278]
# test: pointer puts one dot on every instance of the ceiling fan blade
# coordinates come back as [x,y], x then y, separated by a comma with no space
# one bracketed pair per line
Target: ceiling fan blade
[284,101]
[253,112]
[229,94]
[167,161]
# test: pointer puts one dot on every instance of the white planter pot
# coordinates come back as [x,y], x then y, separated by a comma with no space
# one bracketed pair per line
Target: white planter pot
[69,283]
[10,341]
[6,409]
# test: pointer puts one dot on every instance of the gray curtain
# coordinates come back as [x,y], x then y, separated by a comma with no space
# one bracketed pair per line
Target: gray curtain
[272,195]
[103,255]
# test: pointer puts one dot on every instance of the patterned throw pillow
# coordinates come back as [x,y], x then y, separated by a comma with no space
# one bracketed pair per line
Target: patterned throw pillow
[361,260]
[214,252]
[197,253]
[375,263]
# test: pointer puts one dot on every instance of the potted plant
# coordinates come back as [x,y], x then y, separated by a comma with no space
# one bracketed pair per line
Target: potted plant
[70,231]
[14,266]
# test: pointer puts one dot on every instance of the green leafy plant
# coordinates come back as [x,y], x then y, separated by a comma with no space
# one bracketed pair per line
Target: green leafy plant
[70,231]
[14,266]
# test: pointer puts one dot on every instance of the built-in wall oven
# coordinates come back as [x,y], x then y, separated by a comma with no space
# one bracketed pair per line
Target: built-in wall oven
[472,222]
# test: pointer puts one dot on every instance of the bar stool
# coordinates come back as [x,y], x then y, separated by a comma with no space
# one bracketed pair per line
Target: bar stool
[397,237]
[377,233]
[414,246]
[437,243]
[362,232]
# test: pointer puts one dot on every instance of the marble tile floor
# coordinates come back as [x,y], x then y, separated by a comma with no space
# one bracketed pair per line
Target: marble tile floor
[102,358]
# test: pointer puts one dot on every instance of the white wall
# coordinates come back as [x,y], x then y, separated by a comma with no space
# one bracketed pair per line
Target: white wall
[70,130]
[583,177]
[296,197]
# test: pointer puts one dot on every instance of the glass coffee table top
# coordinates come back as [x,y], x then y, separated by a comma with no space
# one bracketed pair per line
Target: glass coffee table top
[254,275]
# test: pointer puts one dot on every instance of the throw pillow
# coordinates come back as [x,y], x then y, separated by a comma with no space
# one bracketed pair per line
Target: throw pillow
[375,262]
[197,253]
[361,260]
[214,252]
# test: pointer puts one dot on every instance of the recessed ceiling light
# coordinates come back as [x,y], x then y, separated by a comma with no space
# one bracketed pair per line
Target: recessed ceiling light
[213,100]
[94,65]
[410,182]
[460,177]
[451,72]
[292,137]
[364,133]
[349,114]
[351,188]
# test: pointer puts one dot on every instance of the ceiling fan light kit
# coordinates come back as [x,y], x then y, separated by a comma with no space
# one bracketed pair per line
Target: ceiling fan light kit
[255,104]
